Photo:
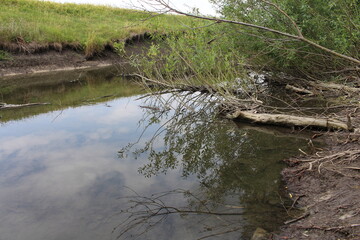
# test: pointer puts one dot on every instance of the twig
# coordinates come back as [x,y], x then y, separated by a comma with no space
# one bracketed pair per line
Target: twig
[297,219]
[329,228]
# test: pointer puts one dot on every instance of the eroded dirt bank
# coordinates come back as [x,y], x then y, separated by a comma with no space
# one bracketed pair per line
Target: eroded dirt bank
[326,185]
[22,62]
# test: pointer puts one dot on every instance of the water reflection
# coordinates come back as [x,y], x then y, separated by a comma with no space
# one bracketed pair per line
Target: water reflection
[62,179]
[61,176]
[63,90]
[236,165]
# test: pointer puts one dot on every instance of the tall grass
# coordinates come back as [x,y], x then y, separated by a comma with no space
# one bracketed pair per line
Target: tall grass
[89,26]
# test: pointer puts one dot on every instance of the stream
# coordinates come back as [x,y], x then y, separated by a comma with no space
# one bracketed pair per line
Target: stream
[100,163]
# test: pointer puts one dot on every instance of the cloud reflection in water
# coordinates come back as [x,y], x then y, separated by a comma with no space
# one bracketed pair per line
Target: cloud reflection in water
[62,179]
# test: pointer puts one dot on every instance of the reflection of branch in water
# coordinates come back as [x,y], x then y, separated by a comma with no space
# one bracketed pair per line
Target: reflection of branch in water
[224,157]
[233,165]
[145,213]
[176,109]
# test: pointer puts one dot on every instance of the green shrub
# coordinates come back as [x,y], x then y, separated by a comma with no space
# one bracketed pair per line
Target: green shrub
[4,55]
[119,47]
[334,24]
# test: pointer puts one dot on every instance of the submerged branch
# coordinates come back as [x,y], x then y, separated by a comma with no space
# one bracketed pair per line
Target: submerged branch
[145,212]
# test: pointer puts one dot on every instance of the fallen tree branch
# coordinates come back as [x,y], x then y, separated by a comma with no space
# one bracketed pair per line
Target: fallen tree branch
[324,228]
[180,87]
[10,106]
[289,120]
[298,90]
[335,86]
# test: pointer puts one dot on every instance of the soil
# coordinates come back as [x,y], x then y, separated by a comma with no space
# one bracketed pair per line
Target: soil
[326,186]
[21,63]
[324,183]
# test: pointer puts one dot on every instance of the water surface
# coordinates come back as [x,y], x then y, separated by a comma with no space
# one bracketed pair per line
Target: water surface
[71,169]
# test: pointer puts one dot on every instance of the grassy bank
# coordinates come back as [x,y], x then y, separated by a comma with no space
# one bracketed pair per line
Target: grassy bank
[85,27]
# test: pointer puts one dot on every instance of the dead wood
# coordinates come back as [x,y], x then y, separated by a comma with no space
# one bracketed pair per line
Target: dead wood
[298,90]
[298,218]
[289,120]
[326,228]
[335,86]
[11,106]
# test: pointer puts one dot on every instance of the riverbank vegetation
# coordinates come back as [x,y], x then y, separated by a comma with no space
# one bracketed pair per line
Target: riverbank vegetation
[300,46]
[318,40]
[259,51]
[35,26]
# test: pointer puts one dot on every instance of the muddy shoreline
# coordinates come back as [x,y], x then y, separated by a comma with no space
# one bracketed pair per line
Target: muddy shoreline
[67,59]
[325,183]
[22,63]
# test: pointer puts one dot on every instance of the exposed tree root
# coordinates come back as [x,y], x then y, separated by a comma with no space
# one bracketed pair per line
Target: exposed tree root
[330,162]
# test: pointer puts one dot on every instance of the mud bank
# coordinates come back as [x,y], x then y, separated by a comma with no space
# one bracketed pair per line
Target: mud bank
[65,59]
[21,64]
[326,185]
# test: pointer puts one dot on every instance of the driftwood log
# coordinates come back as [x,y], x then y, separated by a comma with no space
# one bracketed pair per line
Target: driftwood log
[290,120]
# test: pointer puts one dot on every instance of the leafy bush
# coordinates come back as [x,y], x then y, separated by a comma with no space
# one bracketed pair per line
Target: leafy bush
[191,57]
[334,24]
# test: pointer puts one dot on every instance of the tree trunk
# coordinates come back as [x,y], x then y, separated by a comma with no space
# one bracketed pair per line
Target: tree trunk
[290,121]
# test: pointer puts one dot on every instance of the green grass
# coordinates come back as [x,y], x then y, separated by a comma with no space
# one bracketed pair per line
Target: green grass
[89,26]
